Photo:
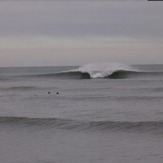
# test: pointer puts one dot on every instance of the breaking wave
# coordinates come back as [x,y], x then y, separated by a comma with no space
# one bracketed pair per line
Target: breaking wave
[103,70]
[97,70]
[108,71]
[141,126]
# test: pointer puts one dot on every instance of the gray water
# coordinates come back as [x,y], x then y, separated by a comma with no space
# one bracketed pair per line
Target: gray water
[112,119]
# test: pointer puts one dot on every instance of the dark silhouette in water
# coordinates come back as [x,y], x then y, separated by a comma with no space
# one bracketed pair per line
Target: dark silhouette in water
[50,93]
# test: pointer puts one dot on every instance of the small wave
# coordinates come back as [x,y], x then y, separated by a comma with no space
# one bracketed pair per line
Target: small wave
[140,126]
[20,88]
[67,75]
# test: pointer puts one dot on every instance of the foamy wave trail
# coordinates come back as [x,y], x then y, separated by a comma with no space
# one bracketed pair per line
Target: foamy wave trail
[127,126]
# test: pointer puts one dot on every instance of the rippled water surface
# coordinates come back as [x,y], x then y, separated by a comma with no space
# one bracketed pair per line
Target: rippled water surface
[103,113]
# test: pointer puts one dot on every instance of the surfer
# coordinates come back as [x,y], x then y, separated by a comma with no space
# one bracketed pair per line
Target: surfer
[57,93]
[49,93]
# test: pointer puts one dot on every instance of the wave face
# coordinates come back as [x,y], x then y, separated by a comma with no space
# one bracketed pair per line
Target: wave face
[140,126]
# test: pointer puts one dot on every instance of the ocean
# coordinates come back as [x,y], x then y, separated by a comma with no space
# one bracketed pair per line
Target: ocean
[102,113]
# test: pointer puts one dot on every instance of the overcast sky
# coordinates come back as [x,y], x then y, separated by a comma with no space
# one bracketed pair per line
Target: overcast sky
[76,33]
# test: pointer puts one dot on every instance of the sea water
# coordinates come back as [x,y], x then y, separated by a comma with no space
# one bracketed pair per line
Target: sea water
[104,113]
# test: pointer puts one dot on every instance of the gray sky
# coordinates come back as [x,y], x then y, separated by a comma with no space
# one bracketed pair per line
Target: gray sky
[75,33]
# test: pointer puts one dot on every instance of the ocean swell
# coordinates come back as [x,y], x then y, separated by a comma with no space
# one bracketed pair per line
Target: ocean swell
[139,126]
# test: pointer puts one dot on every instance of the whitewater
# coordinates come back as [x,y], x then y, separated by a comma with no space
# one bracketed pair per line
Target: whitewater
[104,112]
